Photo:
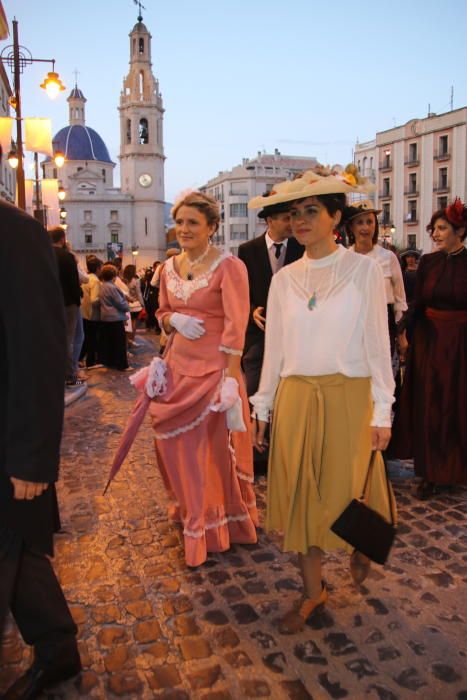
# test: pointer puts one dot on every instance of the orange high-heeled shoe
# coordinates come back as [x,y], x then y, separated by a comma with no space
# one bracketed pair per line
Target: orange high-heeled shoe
[294,620]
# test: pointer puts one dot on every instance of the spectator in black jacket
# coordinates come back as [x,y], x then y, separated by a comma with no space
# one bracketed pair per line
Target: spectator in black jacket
[69,280]
[31,416]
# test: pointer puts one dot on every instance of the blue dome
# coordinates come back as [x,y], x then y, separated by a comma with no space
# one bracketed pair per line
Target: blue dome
[80,143]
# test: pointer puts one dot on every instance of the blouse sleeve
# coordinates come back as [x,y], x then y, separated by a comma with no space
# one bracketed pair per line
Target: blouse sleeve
[235,301]
[377,348]
[263,400]
[416,307]
[397,281]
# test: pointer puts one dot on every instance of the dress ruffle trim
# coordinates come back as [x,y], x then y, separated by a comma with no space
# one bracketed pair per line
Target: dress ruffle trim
[230,351]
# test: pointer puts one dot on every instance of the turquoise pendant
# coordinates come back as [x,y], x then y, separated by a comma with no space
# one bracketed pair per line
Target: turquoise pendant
[312,302]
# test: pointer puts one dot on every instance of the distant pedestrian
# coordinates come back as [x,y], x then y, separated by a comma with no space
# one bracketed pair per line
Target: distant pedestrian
[136,302]
[92,314]
[69,281]
[113,310]
[409,264]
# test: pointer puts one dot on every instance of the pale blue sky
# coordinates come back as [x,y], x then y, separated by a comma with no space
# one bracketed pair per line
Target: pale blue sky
[303,76]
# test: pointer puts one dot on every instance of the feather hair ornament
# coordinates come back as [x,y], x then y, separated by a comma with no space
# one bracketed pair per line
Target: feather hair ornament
[456,213]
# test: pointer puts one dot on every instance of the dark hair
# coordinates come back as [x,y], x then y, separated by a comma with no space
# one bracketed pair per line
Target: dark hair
[108,272]
[117,262]
[129,273]
[57,234]
[350,235]
[93,264]
[333,202]
[441,214]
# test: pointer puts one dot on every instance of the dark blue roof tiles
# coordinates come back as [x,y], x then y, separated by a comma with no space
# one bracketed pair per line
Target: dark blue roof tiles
[76,92]
[81,143]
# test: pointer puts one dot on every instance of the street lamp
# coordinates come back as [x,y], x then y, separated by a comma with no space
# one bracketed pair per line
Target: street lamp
[59,159]
[61,193]
[135,253]
[13,159]
[16,57]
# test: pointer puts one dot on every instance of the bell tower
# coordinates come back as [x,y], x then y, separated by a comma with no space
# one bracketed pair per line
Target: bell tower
[141,143]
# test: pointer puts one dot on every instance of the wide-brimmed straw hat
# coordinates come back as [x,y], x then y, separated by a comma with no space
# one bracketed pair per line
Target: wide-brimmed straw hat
[310,184]
[357,208]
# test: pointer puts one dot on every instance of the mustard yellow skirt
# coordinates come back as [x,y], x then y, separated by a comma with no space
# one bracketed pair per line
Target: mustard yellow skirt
[318,458]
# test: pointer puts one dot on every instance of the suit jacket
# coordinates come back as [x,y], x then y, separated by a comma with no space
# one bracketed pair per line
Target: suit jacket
[32,373]
[255,255]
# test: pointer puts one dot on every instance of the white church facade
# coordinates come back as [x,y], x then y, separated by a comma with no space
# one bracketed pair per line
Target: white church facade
[99,216]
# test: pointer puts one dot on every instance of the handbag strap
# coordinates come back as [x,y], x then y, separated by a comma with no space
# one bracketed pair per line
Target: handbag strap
[365,485]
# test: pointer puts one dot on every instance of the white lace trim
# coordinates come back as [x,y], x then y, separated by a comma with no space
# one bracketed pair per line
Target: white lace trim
[210,526]
[230,351]
[194,423]
[244,477]
[183,289]
[185,428]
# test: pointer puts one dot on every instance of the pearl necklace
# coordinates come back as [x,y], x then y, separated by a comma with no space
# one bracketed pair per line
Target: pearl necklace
[456,252]
[192,263]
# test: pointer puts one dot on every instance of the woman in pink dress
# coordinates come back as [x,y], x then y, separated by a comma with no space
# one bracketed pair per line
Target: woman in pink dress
[203,449]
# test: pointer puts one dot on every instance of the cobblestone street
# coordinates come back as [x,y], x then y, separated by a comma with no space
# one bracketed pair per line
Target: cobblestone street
[149,627]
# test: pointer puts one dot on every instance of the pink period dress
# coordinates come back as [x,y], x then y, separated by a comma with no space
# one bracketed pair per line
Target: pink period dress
[207,470]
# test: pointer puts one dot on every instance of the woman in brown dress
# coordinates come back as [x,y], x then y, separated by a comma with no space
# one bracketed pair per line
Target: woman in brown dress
[431,422]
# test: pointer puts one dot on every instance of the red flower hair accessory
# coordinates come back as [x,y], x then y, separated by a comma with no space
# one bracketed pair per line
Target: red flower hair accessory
[456,213]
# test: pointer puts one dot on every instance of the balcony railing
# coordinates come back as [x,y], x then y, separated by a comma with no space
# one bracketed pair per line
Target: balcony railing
[411,220]
[411,192]
[442,155]
[443,187]
[385,195]
[412,162]
[385,167]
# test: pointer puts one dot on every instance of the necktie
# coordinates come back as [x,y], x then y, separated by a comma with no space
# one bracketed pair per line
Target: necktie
[277,252]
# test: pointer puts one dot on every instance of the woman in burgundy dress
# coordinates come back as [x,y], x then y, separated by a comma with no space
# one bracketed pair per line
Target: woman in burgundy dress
[431,422]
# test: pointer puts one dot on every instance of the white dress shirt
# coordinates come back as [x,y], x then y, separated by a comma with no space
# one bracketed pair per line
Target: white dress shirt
[276,263]
[346,332]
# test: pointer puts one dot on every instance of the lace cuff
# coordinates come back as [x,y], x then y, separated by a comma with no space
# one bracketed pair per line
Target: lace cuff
[230,351]
[381,415]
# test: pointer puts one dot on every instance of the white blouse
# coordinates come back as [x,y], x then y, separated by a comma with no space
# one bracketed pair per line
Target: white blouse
[345,331]
[393,279]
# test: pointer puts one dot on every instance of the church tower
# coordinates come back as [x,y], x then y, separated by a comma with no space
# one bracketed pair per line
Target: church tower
[141,145]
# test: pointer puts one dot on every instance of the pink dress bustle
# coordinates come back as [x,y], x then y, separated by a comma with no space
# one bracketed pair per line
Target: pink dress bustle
[207,470]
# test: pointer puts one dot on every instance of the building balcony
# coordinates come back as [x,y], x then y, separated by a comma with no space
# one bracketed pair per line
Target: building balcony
[385,167]
[412,162]
[441,155]
[385,195]
[411,220]
[441,188]
[411,192]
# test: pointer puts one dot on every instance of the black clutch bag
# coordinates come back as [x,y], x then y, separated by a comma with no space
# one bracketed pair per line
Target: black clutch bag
[365,529]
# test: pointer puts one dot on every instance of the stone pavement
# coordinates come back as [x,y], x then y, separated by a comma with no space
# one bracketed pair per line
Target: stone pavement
[151,628]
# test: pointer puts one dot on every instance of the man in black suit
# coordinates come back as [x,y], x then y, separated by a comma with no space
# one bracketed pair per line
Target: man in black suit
[32,375]
[263,257]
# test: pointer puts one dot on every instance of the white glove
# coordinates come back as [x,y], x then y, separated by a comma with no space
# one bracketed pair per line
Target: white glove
[228,395]
[189,326]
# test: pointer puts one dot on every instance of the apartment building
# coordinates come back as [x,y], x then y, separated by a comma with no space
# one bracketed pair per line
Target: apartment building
[417,168]
[234,188]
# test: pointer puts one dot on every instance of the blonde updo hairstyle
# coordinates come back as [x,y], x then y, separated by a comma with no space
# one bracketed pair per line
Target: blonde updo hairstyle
[203,203]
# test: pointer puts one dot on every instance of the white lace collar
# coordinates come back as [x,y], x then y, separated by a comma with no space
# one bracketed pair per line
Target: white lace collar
[183,289]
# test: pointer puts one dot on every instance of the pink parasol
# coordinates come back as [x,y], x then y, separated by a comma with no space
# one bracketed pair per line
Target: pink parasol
[151,382]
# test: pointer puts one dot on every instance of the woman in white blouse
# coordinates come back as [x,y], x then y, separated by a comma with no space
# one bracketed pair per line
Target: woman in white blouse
[327,377]
[362,228]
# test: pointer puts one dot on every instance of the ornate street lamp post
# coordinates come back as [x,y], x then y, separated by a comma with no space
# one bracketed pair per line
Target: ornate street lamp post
[16,57]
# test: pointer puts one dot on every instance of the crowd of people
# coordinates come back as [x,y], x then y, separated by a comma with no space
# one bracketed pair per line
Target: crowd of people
[285,357]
